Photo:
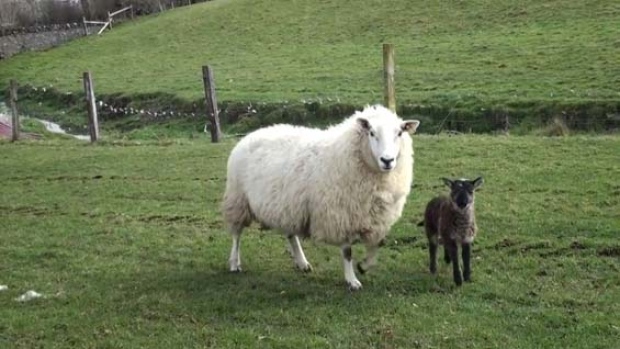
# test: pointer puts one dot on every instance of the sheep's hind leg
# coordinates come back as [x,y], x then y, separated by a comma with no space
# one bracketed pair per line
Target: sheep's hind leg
[298,254]
[349,271]
[235,257]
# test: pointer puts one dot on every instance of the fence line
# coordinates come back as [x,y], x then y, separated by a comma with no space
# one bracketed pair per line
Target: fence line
[165,114]
[390,73]
[230,76]
[551,89]
[449,124]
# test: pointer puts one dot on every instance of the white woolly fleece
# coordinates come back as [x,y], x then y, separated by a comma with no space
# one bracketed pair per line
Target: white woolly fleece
[324,183]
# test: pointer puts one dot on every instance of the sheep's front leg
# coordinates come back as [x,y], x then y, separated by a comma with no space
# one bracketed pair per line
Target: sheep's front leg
[349,272]
[456,270]
[371,258]
[298,254]
[466,252]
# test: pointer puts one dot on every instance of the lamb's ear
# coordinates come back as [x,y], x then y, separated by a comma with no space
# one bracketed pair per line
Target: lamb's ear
[477,182]
[447,182]
[364,123]
[410,126]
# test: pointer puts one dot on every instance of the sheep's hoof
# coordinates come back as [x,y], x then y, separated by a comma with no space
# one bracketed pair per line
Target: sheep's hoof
[354,285]
[307,268]
[235,269]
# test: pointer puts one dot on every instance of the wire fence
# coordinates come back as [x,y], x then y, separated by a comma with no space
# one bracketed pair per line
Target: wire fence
[455,99]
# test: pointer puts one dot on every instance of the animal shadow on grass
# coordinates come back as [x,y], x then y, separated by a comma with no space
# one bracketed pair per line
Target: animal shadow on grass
[209,291]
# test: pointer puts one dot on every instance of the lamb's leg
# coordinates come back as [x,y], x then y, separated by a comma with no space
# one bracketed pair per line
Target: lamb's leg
[452,248]
[466,252]
[371,258]
[298,253]
[235,258]
[349,272]
[433,244]
[446,256]
[432,254]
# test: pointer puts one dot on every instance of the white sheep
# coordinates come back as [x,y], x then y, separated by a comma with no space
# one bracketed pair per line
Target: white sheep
[341,185]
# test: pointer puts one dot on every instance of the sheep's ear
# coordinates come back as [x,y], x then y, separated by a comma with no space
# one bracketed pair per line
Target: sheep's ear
[447,182]
[410,126]
[477,182]
[364,123]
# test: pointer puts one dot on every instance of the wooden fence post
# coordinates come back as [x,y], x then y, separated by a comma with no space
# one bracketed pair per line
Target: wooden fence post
[211,102]
[85,26]
[388,77]
[110,19]
[93,124]
[15,116]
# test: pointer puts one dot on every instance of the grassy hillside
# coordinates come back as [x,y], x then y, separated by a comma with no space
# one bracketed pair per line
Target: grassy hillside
[127,245]
[479,52]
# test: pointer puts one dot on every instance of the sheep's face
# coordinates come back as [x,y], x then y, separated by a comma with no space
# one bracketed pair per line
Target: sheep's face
[462,191]
[385,139]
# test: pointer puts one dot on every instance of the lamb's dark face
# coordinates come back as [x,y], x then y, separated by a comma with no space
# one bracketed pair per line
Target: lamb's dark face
[385,139]
[462,191]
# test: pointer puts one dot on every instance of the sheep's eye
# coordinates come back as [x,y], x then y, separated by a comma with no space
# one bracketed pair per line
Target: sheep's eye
[372,134]
[400,133]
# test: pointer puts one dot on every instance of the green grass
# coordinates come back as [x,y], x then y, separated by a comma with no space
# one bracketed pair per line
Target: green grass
[477,52]
[126,241]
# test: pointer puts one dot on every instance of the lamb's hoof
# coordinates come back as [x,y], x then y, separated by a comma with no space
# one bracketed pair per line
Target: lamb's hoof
[354,285]
[235,269]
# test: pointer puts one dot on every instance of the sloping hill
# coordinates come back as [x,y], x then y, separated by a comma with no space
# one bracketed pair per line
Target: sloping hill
[475,52]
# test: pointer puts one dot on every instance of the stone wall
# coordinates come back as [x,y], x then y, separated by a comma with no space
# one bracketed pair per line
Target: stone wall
[14,41]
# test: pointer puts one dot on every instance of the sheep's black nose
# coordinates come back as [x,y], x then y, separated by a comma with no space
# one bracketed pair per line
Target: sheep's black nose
[387,162]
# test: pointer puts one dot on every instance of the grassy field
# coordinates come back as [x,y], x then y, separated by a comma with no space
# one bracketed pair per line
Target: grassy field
[480,52]
[126,243]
